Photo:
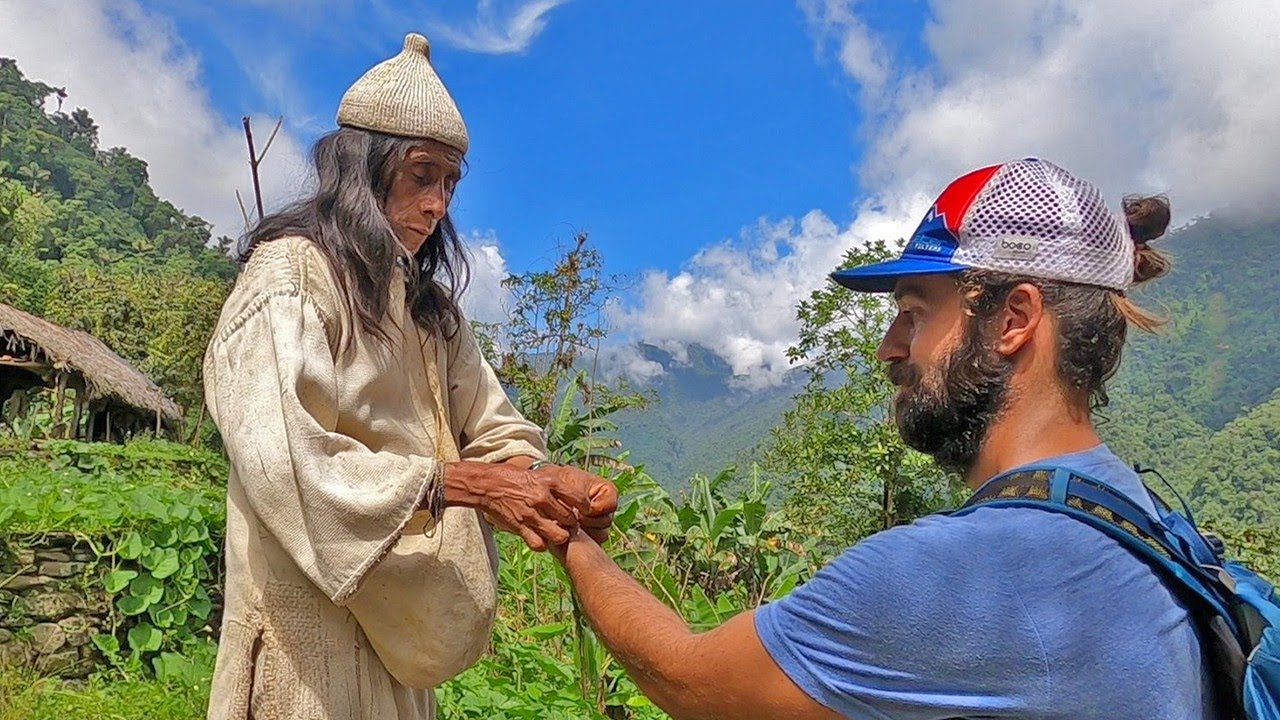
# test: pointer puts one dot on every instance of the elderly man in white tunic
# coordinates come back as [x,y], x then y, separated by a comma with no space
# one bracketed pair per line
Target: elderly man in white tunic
[371,445]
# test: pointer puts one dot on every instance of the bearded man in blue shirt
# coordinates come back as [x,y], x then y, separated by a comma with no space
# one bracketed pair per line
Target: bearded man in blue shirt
[1012,315]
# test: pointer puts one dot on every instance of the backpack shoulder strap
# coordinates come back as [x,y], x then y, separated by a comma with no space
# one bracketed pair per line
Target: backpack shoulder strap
[1058,486]
[1095,503]
[1239,610]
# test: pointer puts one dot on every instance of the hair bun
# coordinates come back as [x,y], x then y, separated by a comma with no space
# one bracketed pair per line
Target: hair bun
[1148,216]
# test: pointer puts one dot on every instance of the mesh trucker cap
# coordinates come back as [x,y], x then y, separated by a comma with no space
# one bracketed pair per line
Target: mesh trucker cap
[1027,217]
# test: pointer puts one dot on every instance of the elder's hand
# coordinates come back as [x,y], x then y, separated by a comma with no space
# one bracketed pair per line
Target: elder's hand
[594,498]
[526,503]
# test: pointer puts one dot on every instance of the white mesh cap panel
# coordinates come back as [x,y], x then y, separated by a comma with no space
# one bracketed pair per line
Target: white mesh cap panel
[1034,218]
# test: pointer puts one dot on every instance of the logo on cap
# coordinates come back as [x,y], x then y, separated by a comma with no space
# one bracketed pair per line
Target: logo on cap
[1016,248]
[933,237]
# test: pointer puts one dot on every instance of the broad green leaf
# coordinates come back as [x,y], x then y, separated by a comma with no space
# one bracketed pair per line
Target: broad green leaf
[117,580]
[542,632]
[174,668]
[188,533]
[132,547]
[145,638]
[162,617]
[200,608]
[150,507]
[132,604]
[625,517]
[162,562]
[164,535]
[723,519]
[147,588]
[108,644]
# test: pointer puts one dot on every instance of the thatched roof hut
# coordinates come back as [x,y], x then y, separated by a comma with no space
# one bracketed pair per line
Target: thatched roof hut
[35,352]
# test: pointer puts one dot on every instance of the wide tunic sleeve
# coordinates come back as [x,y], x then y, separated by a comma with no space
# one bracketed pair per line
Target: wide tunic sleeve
[334,505]
[488,426]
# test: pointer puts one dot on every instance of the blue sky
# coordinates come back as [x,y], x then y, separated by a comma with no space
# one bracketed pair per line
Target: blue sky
[655,128]
[723,155]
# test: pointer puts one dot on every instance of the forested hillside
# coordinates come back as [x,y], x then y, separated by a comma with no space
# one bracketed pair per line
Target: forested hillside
[702,420]
[86,243]
[1199,400]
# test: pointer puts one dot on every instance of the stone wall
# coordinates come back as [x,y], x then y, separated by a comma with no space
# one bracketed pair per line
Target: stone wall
[49,609]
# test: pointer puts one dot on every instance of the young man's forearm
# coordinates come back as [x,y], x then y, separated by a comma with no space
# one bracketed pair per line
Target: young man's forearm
[648,638]
[723,673]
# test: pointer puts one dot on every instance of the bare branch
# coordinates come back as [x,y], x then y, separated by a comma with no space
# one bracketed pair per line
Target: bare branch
[271,139]
[243,212]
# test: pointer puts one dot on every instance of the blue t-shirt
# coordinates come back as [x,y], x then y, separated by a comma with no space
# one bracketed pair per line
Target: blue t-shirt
[1003,612]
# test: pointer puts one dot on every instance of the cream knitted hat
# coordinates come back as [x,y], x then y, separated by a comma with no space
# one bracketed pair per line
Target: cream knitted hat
[404,96]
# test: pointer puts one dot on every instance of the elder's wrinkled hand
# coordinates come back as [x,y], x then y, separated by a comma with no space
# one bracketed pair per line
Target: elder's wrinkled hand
[592,497]
[519,501]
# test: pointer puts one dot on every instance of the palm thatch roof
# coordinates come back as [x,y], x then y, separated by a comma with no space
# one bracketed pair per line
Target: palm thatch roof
[107,376]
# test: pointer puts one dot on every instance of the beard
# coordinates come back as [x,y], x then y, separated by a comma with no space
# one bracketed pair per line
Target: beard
[947,414]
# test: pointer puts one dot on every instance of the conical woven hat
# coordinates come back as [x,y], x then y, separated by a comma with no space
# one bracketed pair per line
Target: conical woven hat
[404,96]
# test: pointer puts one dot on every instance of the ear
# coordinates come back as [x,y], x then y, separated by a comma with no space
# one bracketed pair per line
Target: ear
[1017,323]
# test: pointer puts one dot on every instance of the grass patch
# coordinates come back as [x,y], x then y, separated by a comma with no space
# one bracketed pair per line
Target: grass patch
[27,696]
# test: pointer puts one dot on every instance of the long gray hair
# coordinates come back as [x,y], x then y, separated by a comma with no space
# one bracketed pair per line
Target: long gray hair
[345,219]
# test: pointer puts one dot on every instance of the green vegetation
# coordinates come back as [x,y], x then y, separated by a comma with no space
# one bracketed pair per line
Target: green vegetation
[1199,401]
[711,556]
[702,419]
[86,243]
[154,513]
[25,696]
[849,473]
[153,509]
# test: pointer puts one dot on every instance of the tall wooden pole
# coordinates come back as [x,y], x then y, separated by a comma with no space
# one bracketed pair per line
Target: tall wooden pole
[58,402]
[75,416]
[253,165]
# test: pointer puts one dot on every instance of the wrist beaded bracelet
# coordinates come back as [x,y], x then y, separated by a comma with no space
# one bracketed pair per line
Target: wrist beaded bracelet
[435,500]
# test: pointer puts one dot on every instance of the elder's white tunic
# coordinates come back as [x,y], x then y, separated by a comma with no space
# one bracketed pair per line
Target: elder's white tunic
[339,602]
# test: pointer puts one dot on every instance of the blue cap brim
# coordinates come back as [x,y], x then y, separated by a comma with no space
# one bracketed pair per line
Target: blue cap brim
[881,277]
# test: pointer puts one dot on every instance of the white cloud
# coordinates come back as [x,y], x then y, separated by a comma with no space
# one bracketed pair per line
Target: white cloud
[1134,96]
[860,53]
[498,28]
[738,299]
[143,88]
[485,300]
[1176,97]
[482,26]
[626,362]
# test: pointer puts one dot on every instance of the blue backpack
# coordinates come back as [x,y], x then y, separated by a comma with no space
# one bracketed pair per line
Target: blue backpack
[1238,610]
